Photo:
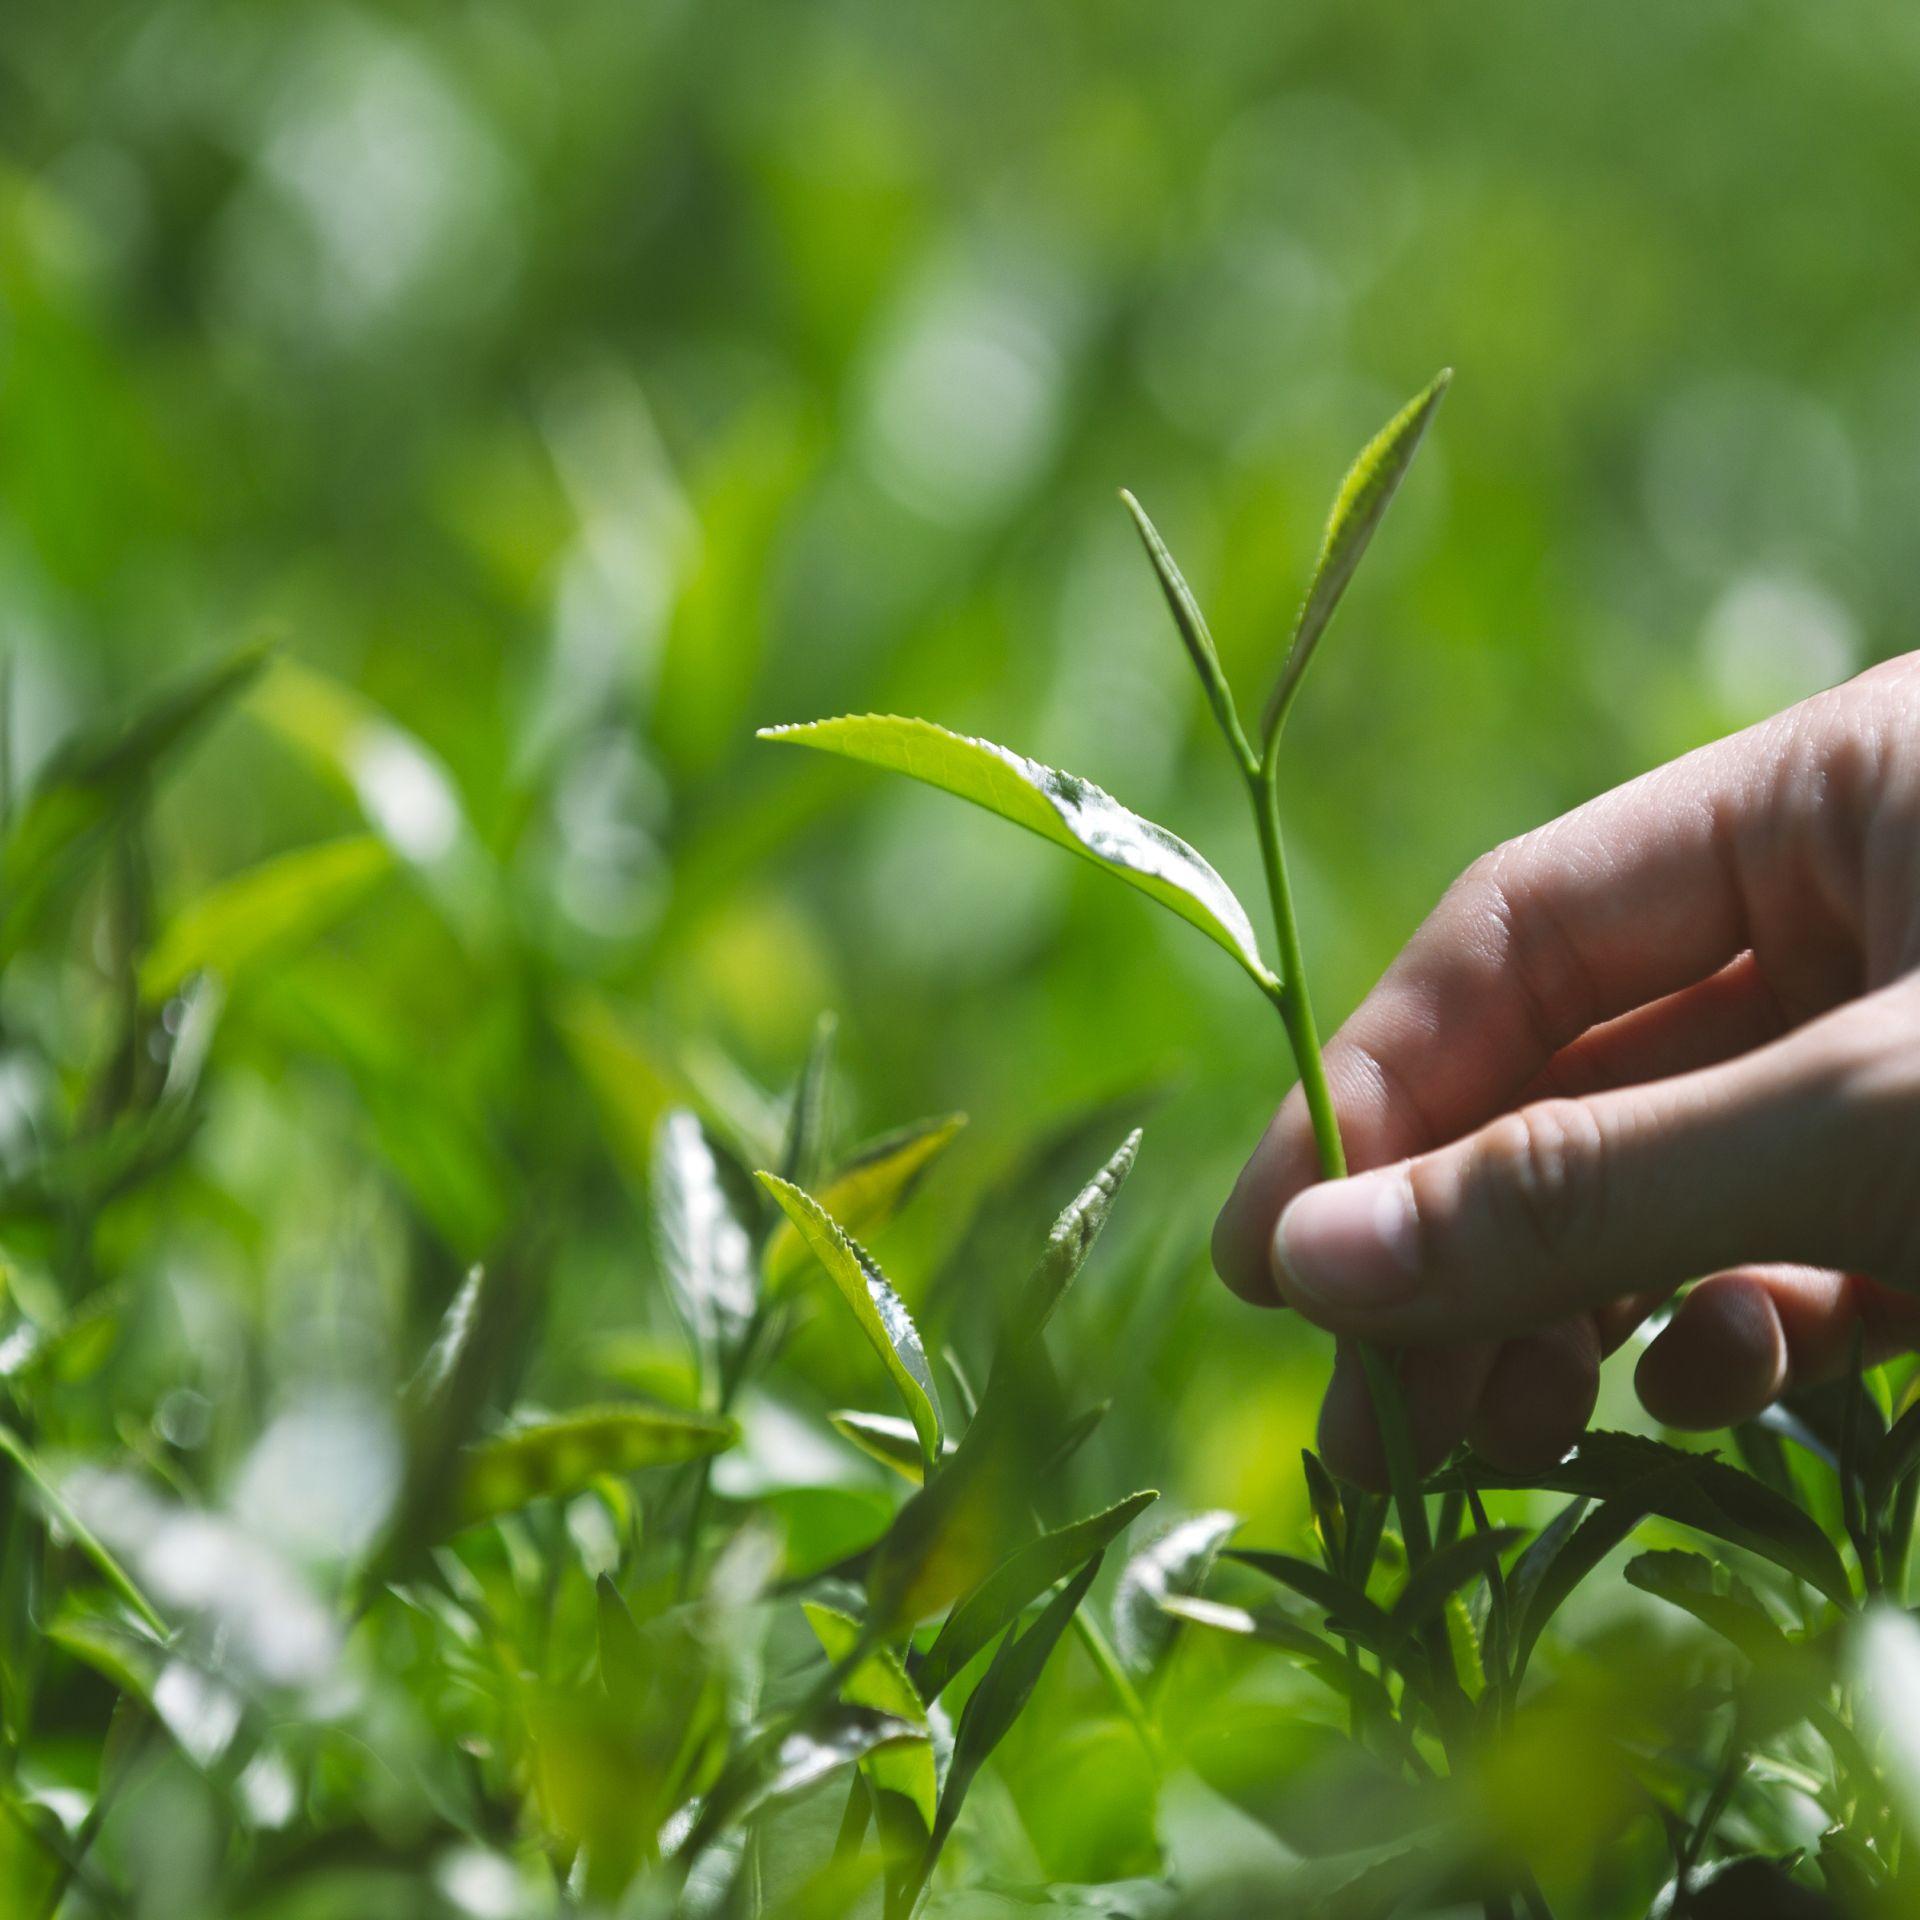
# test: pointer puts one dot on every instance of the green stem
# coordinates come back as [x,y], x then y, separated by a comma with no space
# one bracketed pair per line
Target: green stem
[1296,1013]
[1100,1651]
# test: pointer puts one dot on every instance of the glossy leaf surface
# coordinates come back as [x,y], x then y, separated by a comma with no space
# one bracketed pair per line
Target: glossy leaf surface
[1071,812]
[881,1314]
[704,1249]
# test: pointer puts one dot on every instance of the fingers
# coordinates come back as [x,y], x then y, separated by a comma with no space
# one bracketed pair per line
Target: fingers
[1632,898]
[1741,1339]
[1539,1396]
[1440,1387]
[1806,1150]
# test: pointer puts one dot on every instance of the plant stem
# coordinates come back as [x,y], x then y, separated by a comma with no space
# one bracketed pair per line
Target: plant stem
[1100,1651]
[1296,1013]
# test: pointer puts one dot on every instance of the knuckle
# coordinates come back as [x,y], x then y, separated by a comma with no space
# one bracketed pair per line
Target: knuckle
[1541,1172]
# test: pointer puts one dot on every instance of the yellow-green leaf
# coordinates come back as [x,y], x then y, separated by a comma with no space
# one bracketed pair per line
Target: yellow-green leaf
[880,1681]
[1061,807]
[886,1438]
[868,1190]
[555,1458]
[1363,499]
[266,911]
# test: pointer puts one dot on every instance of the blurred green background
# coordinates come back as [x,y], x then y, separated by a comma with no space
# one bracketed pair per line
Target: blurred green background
[571,390]
[584,387]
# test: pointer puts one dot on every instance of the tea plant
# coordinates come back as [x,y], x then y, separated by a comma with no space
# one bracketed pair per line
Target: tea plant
[1427,1637]
[422,1644]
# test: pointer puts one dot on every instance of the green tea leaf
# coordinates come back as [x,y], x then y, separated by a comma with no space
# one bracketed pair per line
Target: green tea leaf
[1069,811]
[77,1530]
[806,1141]
[704,1249]
[882,1316]
[1177,1562]
[1697,1490]
[624,1668]
[806,1757]
[886,1438]
[1272,1628]
[265,912]
[1016,1583]
[554,1458]
[92,780]
[1343,1601]
[1004,1690]
[431,1377]
[1329,1518]
[868,1190]
[1192,626]
[1589,1543]
[1364,496]
[1723,1602]
[1444,1572]
[881,1682]
[1069,1243]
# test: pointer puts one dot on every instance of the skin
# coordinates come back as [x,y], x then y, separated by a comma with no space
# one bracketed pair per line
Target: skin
[1672,1036]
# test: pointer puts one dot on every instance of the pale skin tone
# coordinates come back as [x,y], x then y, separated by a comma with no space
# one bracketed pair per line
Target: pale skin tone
[1673,1036]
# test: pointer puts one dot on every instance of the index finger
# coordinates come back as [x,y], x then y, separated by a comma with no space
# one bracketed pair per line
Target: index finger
[1634,896]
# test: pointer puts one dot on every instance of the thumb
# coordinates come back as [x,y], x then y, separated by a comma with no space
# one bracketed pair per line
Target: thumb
[1805,1151]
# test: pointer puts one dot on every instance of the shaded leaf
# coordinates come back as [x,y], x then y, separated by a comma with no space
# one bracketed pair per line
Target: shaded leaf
[886,1438]
[868,1190]
[265,912]
[436,1368]
[1343,1601]
[1364,496]
[1697,1490]
[93,778]
[1272,1628]
[1071,812]
[554,1458]
[1444,1572]
[1018,1581]
[1177,1562]
[882,1316]
[1004,1690]
[807,1119]
[1727,1604]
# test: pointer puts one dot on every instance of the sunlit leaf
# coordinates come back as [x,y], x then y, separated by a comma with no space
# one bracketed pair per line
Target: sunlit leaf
[1016,1583]
[878,1309]
[881,1682]
[554,1458]
[265,912]
[93,778]
[704,1249]
[1177,1562]
[1364,496]
[1069,1243]
[1189,621]
[868,1190]
[1061,807]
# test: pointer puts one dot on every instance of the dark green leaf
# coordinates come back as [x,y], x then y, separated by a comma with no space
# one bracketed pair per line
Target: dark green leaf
[1717,1600]
[1071,812]
[1696,1490]
[807,1118]
[1341,1600]
[1328,1516]
[1444,1572]
[1018,1581]
[92,780]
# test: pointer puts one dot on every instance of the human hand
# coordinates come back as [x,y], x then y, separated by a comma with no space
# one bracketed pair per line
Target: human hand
[1674,1033]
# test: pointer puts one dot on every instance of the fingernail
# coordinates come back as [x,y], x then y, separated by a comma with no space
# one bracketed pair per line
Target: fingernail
[1351,1243]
